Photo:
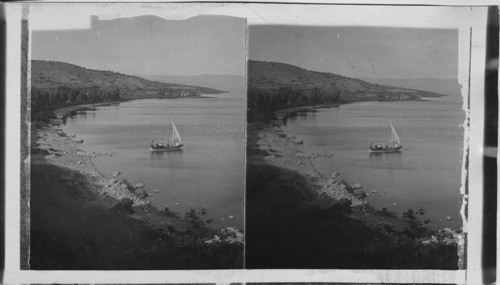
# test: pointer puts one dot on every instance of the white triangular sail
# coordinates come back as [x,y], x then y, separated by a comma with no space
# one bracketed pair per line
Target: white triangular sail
[394,135]
[176,138]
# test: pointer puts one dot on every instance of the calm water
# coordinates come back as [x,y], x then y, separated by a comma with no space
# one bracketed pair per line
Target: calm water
[427,174]
[208,173]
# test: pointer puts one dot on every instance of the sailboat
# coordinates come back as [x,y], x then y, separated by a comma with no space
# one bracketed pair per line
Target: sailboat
[394,145]
[174,144]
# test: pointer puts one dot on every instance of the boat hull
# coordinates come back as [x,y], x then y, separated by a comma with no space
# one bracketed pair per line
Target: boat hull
[166,148]
[399,149]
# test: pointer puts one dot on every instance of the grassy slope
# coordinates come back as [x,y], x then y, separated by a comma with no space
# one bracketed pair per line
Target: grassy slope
[71,228]
[273,75]
[283,232]
[52,74]
[449,87]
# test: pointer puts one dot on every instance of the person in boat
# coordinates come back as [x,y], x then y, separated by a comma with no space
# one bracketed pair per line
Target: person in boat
[152,143]
[161,143]
[371,145]
[168,144]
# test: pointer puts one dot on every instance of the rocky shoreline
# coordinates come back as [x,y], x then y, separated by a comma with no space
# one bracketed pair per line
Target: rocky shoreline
[286,152]
[54,146]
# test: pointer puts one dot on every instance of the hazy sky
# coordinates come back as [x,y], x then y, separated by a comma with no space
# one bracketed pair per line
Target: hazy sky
[150,45]
[361,52]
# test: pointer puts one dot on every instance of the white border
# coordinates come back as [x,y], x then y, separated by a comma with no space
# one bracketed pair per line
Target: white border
[461,18]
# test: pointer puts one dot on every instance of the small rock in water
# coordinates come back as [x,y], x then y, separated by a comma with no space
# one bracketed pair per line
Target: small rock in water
[156,191]
[231,230]
[426,221]
[448,218]
[357,186]
[362,194]
[335,174]
[209,221]
[231,217]
[177,204]
[116,174]
[138,185]
[374,191]
[203,211]
[395,204]
[223,219]
[421,211]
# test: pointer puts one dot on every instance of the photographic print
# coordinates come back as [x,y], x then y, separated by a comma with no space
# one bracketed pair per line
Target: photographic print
[137,144]
[204,143]
[355,148]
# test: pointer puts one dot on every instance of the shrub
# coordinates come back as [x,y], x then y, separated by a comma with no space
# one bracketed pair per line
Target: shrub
[343,206]
[125,205]
[193,217]
[347,186]
[170,213]
[130,187]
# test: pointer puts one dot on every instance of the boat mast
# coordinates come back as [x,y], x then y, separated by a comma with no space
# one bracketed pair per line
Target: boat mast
[394,135]
[175,134]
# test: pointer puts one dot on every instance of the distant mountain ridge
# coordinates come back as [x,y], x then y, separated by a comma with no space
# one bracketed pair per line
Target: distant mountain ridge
[269,76]
[50,75]
[442,86]
[224,82]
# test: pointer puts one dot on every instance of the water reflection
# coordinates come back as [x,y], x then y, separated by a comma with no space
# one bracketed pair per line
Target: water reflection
[385,160]
[161,155]
[302,115]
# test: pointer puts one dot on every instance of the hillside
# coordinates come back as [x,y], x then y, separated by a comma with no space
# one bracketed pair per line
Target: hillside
[235,83]
[271,76]
[50,75]
[442,86]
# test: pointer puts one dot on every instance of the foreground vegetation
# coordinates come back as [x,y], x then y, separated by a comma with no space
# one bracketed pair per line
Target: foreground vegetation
[287,229]
[262,103]
[73,228]
[43,102]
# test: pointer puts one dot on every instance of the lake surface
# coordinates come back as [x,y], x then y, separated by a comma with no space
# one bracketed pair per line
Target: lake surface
[426,174]
[208,173]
